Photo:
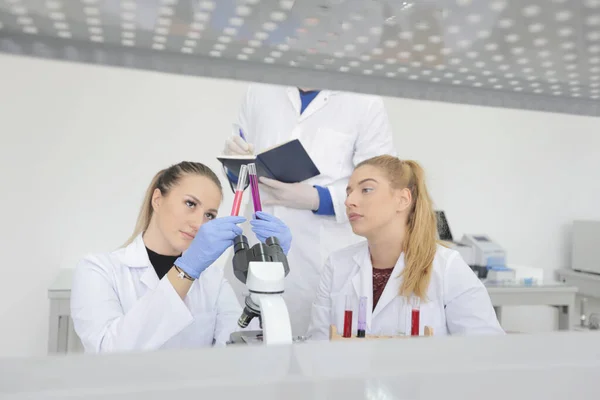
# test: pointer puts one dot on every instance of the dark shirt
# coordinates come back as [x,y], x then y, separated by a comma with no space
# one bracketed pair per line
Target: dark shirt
[380,278]
[162,264]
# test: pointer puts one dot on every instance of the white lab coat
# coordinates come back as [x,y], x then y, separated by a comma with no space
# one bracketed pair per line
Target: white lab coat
[458,303]
[119,304]
[338,130]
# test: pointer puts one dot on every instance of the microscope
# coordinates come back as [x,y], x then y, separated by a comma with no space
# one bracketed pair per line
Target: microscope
[262,268]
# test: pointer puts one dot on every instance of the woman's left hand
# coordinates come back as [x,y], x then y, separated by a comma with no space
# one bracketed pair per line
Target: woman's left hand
[265,225]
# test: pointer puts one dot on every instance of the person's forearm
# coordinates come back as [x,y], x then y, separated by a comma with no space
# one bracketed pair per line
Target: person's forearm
[181,285]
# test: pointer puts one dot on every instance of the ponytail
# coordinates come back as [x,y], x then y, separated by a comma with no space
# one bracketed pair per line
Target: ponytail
[164,181]
[420,240]
[146,211]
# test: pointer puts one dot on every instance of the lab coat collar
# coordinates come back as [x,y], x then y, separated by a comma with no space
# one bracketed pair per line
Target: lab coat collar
[363,282]
[319,101]
[363,279]
[136,256]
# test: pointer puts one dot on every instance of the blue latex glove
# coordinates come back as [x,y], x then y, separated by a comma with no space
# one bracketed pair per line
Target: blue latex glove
[212,239]
[265,225]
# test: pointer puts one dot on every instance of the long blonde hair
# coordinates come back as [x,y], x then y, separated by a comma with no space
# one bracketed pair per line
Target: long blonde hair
[165,180]
[420,241]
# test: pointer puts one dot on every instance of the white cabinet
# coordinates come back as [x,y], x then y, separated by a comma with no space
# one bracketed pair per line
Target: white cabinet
[62,338]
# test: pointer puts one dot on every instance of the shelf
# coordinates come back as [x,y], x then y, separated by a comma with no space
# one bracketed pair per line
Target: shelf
[538,55]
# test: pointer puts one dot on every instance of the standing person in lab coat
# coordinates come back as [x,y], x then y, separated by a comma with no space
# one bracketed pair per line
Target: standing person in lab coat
[389,205]
[148,295]
[338,130]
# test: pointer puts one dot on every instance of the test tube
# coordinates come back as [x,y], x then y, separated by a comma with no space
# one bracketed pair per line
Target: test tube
[239,191]
[403,327]
[415,316]
[254,187]
[362,317]
[348,318]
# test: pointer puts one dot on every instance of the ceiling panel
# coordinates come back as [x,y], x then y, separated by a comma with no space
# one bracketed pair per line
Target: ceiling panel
[533,54]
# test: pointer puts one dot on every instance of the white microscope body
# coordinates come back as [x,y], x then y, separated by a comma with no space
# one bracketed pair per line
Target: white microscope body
[265,283]
[263,269]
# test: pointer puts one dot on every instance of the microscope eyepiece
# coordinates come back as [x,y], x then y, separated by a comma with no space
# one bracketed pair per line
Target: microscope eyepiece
[240,243]
[272,241]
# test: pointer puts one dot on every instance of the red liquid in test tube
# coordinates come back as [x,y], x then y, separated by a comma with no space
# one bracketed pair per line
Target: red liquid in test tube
[239,191]
[415,316]
[348,318]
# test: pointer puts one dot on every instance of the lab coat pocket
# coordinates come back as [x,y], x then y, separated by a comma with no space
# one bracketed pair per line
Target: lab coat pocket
[331,150]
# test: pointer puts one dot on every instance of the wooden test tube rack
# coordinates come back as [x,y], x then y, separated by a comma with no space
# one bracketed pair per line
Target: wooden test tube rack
[334,335]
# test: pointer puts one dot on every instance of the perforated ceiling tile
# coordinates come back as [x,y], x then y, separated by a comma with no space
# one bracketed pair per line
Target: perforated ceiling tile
[541,49]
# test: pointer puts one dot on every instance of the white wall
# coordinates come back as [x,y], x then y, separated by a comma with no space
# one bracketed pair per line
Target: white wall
[79,144]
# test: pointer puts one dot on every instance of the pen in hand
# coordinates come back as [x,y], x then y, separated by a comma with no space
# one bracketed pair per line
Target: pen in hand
[244,138]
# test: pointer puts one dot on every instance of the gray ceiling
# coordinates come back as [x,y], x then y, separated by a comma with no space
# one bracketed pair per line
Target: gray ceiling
[533,54]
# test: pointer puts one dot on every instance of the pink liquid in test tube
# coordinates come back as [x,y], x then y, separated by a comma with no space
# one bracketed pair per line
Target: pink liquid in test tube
[239,191]
[254,187]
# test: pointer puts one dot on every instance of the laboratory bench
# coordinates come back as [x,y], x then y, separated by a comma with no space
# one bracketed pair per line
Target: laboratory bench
[554,294]
[587,282]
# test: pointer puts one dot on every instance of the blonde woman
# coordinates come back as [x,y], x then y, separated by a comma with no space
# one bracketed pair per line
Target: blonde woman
[388,204]
[159,291]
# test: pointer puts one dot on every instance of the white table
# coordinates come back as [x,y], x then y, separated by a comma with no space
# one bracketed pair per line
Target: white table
[61,335]
[553,294]
[551,365]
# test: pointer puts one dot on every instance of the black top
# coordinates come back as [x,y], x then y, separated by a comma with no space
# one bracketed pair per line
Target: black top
[162,264]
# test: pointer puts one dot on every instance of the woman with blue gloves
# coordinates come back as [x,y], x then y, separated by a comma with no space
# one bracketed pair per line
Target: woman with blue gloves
[159,291]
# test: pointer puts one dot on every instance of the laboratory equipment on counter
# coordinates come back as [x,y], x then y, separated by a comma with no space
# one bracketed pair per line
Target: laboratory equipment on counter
[466,251]
[348,317]
[486,253]
[415,316]
[262,268]
[488,256]
[335,336]
[585,254]
[445,235]
[362,318]
[239,191]
[502,274]
[254,187]
[483,255]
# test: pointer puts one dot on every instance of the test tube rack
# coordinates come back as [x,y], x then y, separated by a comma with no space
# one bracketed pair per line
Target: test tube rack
[334,335]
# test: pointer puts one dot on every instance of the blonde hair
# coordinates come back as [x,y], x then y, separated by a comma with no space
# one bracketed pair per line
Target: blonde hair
[165,180]
[420,241]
